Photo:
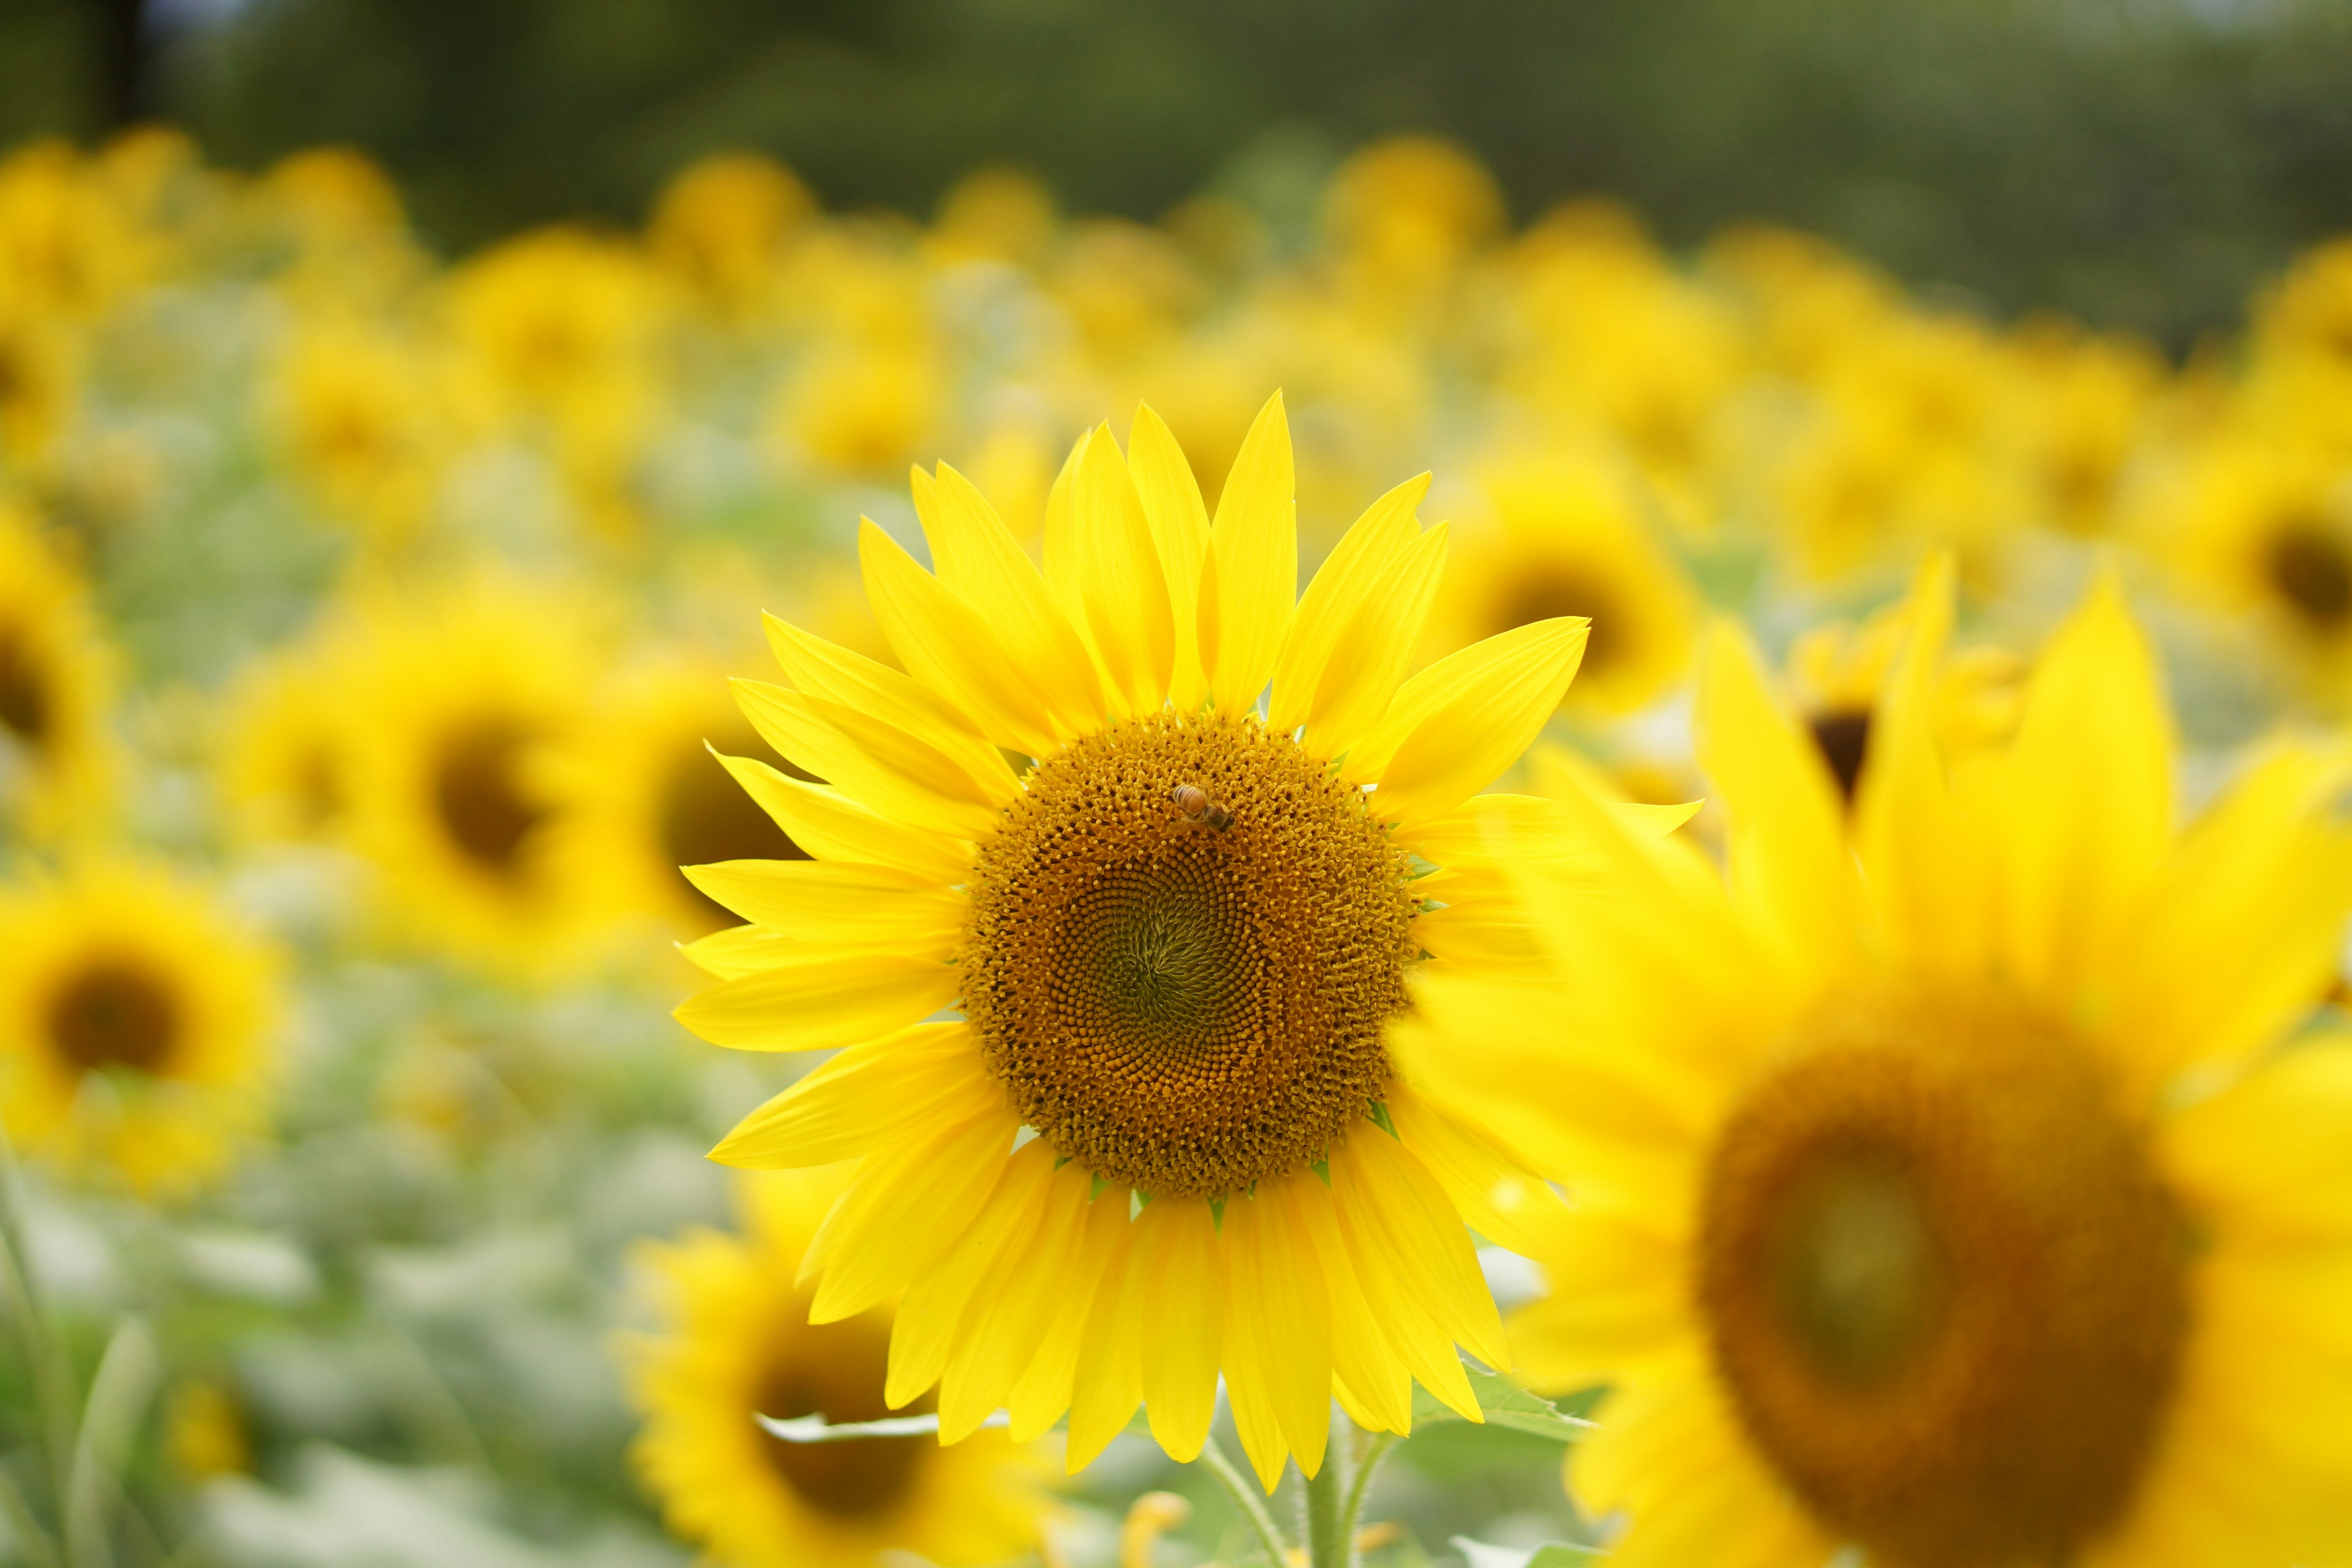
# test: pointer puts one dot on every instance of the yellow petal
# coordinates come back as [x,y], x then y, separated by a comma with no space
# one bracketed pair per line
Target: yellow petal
[1419,1225]
[924,1332]
[1375,645]
[979,560]
[1251,576]
[838,904]
[904,1208]
[1278,1333]
[870,1096]
[1395,1295]
[1618,1308]
[949,646]
[1180,524]
[2088,806]
[835,1000]
[1115,575]
[1502,1199]
[1349,578]
[2268,1159]
[1789,865]
[837,674]
[739,949]
[1183,1327]
[935,796]
[1012,1310]
[1455,727]
[832,827]
[1044,1391]
[1109,1384]
[1377,1388]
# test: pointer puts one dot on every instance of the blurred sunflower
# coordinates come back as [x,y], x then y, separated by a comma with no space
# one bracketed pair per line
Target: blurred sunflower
[2268,530]
[135,1023]
[1165,1138]
[653,798]
[735,1342]
[1953,1200]
[720,229]
[466,695]
[36,386]
[285,763]
[1837,672]
[1567,540]
[56,674]
[357,412]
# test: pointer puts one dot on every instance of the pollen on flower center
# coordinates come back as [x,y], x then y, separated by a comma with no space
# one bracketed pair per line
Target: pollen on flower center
[114,1014]
[836,1370]
[1183,1008]
[1942,1282]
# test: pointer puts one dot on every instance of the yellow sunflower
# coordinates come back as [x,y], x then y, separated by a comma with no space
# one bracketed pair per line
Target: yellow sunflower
[286,748]
[1946,1191]
[1837,671]
[2265,531]
[653,797]
[467,696]
[1163,1137]
[735,1342]
[1567,540]
[56,677]
[135,1023]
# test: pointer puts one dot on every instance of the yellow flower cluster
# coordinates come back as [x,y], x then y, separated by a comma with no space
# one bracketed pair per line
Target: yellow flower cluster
[1953,1138]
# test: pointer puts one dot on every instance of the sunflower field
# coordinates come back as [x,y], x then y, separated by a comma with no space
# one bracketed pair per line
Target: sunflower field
[799,887]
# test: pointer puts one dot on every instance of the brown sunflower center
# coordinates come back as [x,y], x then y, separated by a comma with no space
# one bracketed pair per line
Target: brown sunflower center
[24,689]
[1553,589]
[1843,736]
[114,1014]
[1187,994]
[2312,571]
[478,794]
[707,817]
[836,1370]
[1943,1284]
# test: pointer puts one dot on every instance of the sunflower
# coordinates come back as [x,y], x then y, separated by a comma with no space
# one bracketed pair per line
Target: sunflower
[285,745]
[2265,531]
[134,1022]
[55,759]
[1567,540]
[356,413]
[1837,670]
[1956,1197]
[467,696]
[1164,1136]
[654,798]
[735,1342]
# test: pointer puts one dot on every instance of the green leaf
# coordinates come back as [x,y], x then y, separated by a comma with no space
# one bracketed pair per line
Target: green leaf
[1560,1555]
[1504,1404]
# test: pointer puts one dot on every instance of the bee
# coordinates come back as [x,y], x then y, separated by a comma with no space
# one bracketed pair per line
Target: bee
[1193,804]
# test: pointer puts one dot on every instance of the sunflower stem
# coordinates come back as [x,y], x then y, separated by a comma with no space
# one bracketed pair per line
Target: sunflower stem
[1376,1448]
[1330,1542]
[1245,1501]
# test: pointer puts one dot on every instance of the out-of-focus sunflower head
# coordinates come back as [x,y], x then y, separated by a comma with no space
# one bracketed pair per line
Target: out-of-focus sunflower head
[38,389]
[338,217]
[2309,311]
[994,215]
[560,325]
[66,249]
[721,226]
[1407,213]
[285,745]
[1566,537]
[2083,402]
[733,1341]
[57,759]
[2266,529]
[134,1025]
[860,408]
[1812,304]
[1837,674]
[1128,288]
[467,696]
[655,798]
[355,409]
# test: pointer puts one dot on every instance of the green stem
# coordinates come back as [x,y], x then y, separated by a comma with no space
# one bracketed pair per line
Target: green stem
[1330,1543]
[1375,1450]
[1245,1501]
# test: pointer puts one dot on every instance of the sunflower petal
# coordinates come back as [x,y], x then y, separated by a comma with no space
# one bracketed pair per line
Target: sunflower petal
[1118,578]
[793,724]
[924,1332]
[1015,1306]
[1251,578]
[849,679]
[1179,523]
[949,646]
[871,1096]
[1375,645]
[1348,581]
[1183,1327]
[1278,1333]
[904,1208]
[832,827]
[821,1003]
[838,903]
[1455,727]
[1110,1379]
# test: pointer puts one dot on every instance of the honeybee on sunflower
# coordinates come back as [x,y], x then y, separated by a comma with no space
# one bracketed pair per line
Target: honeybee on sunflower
[733,1341]
[134,1025]
[1162,1138]
[1953,1187]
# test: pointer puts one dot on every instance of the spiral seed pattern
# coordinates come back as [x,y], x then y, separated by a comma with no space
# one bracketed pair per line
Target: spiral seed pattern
[1186,1009]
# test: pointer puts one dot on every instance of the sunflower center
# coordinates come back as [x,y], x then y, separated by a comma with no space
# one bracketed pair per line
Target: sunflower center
[478,793]
[114,1014]
[24,694]
[1186,939]
[2311,572]
[1943,1284]
[1547,592]
[836,1370]
[1843,736]
[705,817]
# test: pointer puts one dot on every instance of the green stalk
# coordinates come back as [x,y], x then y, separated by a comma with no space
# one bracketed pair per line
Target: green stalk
[1375,1450]
[1331,1537]
[1245,1501]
